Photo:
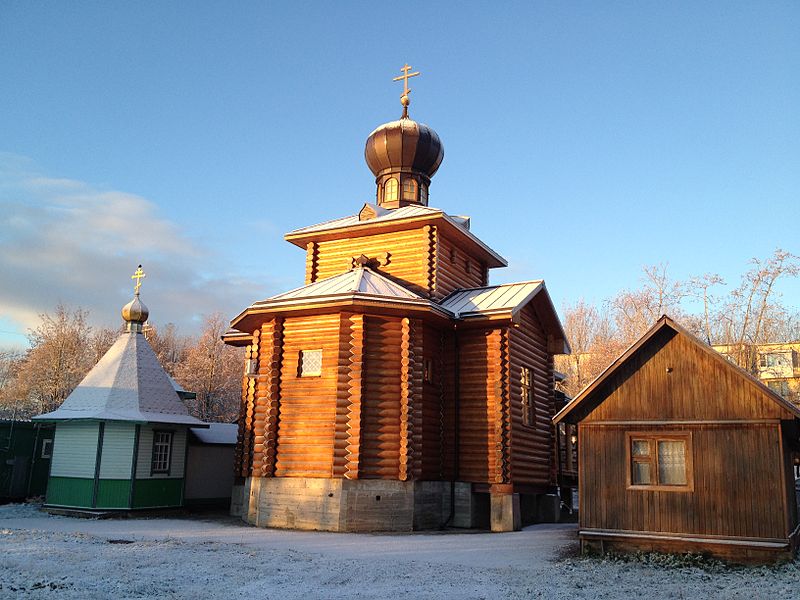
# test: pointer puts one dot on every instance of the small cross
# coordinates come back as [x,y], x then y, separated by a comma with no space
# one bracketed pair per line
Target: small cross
[138,277]
[405,76]
[404,100]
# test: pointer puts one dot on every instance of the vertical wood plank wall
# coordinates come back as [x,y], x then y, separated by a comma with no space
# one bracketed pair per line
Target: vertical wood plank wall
[735,481]
[697,386]
[308,404]
[532,458]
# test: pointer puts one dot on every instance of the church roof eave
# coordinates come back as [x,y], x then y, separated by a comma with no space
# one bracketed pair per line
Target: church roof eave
[246,321]
[397,220]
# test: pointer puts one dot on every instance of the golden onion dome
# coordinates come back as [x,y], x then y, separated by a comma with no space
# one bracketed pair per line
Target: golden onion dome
[135,311]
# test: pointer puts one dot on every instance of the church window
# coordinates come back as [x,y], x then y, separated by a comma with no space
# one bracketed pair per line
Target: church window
[409,190]
[310,363]
[162,452]
[427,370]
[390,190]
[423,194]
[528,405]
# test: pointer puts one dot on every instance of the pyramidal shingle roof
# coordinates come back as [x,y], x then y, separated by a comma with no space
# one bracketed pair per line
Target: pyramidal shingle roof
[127,384]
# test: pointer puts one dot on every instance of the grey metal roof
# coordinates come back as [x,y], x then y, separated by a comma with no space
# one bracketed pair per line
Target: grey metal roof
[218,433]
[405,212]
[360,280]
[127,384]
[484,301]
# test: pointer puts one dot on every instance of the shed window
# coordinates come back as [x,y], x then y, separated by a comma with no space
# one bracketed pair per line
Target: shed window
[47,448]
[528,406]
[390,190]
[309,363]
[162,451]
[660,461]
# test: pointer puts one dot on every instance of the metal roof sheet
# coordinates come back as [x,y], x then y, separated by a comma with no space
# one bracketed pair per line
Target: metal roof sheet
[405,212]
[360,280]
[491,299]
[127,384]
[217,433]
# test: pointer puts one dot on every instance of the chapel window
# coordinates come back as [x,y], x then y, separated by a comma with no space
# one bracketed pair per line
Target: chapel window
[660,461]
[390,190]
[309,363]
[528,406]
[410,190]
[162,452]
[423,194]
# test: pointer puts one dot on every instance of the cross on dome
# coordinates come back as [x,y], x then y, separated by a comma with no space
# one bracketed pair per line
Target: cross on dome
[138,276]
[404,99]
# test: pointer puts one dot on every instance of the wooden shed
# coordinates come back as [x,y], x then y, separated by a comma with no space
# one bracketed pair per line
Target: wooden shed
[682,451]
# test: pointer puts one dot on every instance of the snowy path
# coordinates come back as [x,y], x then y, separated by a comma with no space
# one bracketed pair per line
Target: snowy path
[57,557]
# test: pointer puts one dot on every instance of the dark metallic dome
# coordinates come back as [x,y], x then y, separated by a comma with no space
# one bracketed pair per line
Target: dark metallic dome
[403,155]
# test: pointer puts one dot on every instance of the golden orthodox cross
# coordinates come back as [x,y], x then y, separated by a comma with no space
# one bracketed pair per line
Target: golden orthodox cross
[404,100]
[138,277]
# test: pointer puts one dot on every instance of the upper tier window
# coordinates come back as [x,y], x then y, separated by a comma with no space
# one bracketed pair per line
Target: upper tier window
[409,190]
[390,190]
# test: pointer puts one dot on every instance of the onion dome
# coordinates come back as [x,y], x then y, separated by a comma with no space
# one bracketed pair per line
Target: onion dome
[403,155]
[135,313]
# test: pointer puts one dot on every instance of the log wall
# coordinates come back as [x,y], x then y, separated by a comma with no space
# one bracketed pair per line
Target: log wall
[532,454]
[455,268]
[408,261]
[380,402]
[308,405]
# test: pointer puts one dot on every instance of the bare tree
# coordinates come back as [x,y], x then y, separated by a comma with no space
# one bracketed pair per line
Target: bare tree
[700,288]
[213,371]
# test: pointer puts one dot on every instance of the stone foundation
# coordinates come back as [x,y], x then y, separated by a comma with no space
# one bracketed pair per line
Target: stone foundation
[370,505]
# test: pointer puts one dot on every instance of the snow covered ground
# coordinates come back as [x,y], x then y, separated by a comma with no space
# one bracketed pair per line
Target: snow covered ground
[43,556]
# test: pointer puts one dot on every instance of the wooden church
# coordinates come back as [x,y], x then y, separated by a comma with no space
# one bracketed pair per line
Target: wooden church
[397,389]
[120,436]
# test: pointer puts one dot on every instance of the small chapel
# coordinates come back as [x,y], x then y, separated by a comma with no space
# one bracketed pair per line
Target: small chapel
[397,389]
[121,435]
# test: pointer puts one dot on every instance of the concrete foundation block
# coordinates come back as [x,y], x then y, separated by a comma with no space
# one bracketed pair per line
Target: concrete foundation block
[237,501]
[505,512]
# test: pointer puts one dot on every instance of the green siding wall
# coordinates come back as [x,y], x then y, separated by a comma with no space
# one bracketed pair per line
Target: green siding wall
[117,457]
[75,450]
[151,493]
[113,493]
[70,491]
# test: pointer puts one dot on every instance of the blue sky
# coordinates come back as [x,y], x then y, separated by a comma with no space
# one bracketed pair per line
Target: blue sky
[584,139]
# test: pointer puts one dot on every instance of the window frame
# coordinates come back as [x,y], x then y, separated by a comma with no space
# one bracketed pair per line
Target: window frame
[527,400]
[301,372]
[408,190]
[654,437]
[47,448]
[153,469]
[394,186]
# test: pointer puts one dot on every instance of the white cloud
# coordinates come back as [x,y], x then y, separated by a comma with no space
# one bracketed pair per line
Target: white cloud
[67,241]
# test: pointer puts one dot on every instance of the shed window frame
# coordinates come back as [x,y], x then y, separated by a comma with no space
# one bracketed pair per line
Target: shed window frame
[527,388]
[653,438]
[47,448]
[309,362]
[160,462]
